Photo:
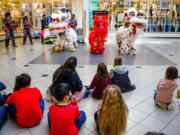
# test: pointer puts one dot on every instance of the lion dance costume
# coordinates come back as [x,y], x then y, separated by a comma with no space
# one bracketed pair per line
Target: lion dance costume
[126,35]
[98,35]
[66,36]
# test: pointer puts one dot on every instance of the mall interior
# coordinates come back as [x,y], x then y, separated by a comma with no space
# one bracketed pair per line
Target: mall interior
[157,49]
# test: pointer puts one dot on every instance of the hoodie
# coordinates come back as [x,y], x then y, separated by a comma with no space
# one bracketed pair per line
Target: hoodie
[119,76]
[119,70]
[166,89]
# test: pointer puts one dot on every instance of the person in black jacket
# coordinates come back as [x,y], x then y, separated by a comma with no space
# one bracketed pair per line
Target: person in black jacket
[67,74]
[119,76]
[44,24]
[27,30]
[9,30]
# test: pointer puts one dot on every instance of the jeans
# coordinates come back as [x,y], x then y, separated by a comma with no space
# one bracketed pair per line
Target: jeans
[3,114]
[81,120]
[77,122]
[177,26]
[2,86]
[10,34]
[12,109]
[155,94]
[27,32]
[153,26]
[167,23]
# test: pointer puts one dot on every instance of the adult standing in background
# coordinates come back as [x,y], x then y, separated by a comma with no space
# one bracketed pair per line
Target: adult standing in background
[73,22]
[27,30]
[9,30]
[44,24]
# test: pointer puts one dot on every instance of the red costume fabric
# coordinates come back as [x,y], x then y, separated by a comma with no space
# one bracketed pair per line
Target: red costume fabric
[98,35]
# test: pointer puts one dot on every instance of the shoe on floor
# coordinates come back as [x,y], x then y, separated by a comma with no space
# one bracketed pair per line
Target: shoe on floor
[161,105]
[170,107]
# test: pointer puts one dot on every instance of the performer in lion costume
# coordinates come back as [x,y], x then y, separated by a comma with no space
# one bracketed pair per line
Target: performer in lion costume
[66,36]
[134,24]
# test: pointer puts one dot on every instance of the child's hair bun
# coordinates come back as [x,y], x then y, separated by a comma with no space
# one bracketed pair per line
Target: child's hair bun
[178,93]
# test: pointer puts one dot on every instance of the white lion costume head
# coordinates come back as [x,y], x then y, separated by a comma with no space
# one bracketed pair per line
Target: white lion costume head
[67,37]
[126,35]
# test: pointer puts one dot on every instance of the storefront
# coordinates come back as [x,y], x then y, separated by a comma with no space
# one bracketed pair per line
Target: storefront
[162,15]
[35,9]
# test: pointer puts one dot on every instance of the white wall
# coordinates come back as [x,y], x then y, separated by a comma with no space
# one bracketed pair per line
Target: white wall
[86,19]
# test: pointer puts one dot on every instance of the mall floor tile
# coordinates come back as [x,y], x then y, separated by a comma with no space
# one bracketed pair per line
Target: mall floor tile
[145,69]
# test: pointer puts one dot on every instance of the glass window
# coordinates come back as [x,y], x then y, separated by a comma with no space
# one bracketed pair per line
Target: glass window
[34,9]
[162,15]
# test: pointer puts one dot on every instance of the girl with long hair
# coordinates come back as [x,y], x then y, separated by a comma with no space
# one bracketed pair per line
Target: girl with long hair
[111,117]
[67,74]
[100,81]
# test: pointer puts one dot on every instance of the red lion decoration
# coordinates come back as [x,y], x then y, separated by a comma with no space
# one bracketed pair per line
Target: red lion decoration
[98,35]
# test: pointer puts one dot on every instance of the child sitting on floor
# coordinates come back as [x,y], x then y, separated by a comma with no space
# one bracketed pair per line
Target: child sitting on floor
[26,105]
[111,117]
[3,109]
[100,81]
[164,95]
[64,117]
[67,74]
[119,76]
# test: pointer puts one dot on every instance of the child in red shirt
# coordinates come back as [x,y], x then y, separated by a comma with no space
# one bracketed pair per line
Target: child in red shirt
[100,81]
[26,105]
[64,117]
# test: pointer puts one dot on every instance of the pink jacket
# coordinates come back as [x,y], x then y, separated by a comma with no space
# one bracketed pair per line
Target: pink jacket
[166,89]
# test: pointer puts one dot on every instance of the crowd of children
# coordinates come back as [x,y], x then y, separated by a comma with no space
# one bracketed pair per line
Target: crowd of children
[26,106]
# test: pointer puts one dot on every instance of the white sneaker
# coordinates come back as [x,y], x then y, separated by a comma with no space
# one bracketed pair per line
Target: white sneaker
[170,107]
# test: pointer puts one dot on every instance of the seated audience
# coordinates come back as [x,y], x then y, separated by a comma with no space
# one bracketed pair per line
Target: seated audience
[100,81]
[111,117]
[164,95]
[119,76]
[3,109]
[64,117]
[67,74]
[26,105]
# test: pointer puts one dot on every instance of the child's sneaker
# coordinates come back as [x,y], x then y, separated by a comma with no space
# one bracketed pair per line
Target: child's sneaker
[170,107]
[161,105]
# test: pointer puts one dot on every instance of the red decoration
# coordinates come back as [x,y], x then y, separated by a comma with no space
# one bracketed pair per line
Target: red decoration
[98,34]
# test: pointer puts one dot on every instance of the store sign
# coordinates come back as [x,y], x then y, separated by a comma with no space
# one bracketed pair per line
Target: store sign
[100,15]
[120,3]
[127,3]
[93,6]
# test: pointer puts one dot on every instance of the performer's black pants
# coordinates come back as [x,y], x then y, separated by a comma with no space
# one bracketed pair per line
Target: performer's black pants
[27,32]
[10,34]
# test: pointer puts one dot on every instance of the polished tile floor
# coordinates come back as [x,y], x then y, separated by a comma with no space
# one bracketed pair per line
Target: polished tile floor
[143,116]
